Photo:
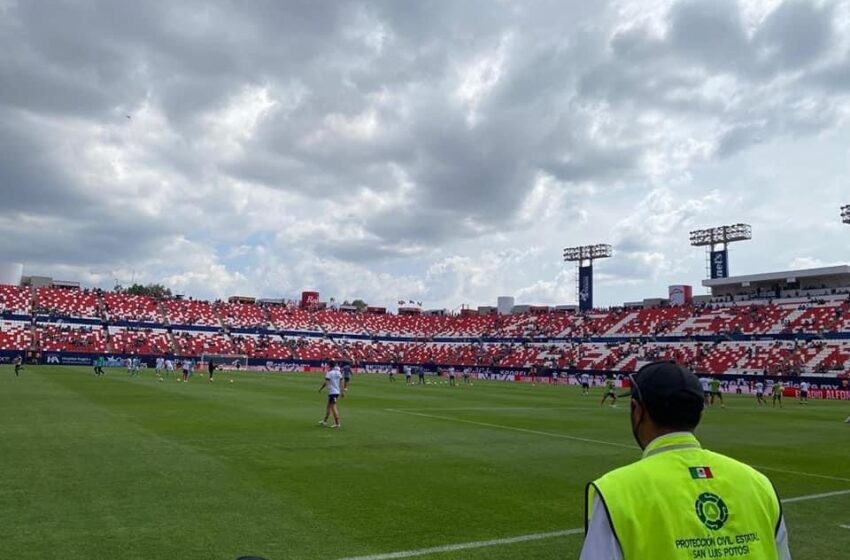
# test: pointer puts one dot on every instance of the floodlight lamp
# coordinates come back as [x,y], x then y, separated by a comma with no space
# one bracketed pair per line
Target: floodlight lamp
[845,214]
[588,252]
[721,234]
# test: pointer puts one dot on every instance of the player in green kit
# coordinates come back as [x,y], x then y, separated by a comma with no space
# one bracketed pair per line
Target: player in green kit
[714,384]
[777,393]
[609,392]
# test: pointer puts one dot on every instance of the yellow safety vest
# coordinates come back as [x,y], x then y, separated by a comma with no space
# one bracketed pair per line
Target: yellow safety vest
[681,501]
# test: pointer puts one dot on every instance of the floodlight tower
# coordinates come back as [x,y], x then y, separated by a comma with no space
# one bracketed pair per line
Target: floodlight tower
[584,256]
[716,241]
[845,214]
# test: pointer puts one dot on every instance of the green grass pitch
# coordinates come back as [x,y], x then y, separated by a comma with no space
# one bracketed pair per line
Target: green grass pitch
[134,468]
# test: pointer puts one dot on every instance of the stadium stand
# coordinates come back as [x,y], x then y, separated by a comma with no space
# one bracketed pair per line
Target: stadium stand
[71,338]
[15,335]
[807,333]
[119,306]
[62,302]
[190,312]
[242,315]
[15,300]
[195,343]
[141,341]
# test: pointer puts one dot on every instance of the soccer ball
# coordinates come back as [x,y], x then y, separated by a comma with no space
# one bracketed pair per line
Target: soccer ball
[161,380]
[231,381]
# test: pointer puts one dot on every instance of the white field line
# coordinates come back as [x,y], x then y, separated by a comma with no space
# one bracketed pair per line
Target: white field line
[538,536]
[467,546]
[815,496]
[827,477]
[598,441]
[512,428]
[473,409]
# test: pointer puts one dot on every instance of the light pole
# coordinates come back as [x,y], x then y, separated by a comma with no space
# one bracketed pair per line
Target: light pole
[716,241]
[584,256]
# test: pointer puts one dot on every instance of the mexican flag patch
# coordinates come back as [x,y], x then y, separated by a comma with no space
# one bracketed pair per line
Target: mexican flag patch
[700,472]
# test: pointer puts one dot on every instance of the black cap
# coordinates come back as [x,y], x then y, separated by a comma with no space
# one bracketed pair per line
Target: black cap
[672,394]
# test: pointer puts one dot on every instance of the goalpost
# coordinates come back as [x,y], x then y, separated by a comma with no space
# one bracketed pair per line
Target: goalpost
[227,362]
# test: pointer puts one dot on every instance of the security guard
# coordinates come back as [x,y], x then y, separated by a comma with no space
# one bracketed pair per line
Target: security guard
[679,501]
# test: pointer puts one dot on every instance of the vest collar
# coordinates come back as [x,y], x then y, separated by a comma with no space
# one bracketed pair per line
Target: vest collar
[671,442]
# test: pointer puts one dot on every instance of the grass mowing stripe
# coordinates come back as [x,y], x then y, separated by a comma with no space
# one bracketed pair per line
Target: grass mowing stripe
[512,428]
[467,546]
[597,441]
[540,536]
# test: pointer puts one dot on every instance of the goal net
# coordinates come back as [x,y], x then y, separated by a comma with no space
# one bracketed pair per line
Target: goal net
[229,362]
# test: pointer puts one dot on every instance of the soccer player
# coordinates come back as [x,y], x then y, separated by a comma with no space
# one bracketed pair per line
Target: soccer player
[466,374]
[211,367]
[160,365]
[408,375]
[187,366]
[134,367]
[777,393]
[804,392]
[421,371]
[18,362]
[609,392]
[585,384]
[706,389]
[715,392]
[346,376]
[169,366]
[760,393]
[98,366]
[391,374]
[452,376]
[129,364]
[332,379]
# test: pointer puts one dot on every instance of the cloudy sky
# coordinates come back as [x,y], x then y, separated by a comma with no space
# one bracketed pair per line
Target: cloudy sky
[440,151]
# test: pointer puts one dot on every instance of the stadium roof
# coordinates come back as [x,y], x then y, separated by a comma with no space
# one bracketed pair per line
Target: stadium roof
[831,273]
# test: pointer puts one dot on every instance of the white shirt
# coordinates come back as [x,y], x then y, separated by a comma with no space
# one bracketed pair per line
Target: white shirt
[704,382]
[804,386]
[169,364]
[585,378]
[333,378]
[759,387]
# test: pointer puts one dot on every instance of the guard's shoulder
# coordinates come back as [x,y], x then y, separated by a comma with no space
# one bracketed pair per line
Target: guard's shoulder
[616,474]
[719,458]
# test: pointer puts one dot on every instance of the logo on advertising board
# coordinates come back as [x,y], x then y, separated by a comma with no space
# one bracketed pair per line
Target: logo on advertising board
[719,264]
[585,288]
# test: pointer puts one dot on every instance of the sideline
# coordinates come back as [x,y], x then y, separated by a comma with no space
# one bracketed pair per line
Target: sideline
[540,536]
[815,497]
[467,546]
[827,477]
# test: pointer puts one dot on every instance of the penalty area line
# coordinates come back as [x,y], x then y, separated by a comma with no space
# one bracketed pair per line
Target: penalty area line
[467,546]
[511,428]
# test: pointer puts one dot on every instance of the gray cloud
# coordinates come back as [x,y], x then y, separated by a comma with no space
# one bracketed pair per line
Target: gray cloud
[432,125]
